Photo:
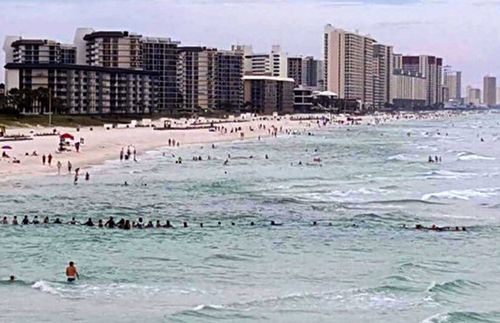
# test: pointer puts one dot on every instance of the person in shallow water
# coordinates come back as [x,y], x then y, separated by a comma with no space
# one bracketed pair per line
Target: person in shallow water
[111,223]
[89,223]
[72,272]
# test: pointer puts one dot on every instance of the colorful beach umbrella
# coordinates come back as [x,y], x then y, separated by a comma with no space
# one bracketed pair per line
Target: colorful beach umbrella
[6,147]
[67,136]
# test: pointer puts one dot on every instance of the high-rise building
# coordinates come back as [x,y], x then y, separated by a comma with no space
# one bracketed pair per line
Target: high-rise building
[228,81]
[431,68]
[490,90]
[382,73]
[312,73]
[453,84]
[295,70]
[349,65]
[209,79]
[160,55]
[473,96]
[408,89]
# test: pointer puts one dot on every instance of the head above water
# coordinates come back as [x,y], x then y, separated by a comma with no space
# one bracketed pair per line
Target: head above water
[71,263]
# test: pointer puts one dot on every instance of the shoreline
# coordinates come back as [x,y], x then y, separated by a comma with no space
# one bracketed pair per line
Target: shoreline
[101,145]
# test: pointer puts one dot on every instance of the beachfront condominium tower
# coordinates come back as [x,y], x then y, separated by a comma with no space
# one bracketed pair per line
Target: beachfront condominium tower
[431,68]
[490,90]
[382,72]
[74,85]
[349,65]
[295,70]
[473,96]
[453,84]
[160,55]
[209,79]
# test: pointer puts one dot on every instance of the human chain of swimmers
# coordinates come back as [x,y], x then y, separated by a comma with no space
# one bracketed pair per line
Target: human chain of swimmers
[141,224]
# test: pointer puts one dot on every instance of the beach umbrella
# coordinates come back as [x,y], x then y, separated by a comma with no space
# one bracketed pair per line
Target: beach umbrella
[6,147]
[67,136]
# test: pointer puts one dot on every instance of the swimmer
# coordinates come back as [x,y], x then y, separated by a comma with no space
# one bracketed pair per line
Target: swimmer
[12,279]
[14,220]
[57,221]
[72,221]
[185,224]
[89,223]
[46,220]
[100,224]
[5,221]
[168,224]
[72,272]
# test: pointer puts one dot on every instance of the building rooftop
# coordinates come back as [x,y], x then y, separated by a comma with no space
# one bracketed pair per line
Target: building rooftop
[268,78]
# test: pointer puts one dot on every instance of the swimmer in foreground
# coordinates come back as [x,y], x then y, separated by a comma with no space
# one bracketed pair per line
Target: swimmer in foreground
[72,272]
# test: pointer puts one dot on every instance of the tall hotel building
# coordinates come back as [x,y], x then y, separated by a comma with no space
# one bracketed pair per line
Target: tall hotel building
[453,84]
[160,55]
[209,79]
[490,90]
[431,68]
[382,73]
[349,65]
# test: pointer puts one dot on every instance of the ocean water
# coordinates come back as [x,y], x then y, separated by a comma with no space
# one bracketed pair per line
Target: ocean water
[357,264]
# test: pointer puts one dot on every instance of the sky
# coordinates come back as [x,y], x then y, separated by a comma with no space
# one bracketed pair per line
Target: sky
[463,32]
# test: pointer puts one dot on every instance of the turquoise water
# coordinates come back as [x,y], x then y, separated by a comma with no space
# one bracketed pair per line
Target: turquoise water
[362,267]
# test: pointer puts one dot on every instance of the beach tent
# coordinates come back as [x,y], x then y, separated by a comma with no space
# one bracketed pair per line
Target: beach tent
[67,136]
[6,147]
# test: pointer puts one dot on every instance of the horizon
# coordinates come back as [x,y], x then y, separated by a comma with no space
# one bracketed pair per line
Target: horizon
[463,42]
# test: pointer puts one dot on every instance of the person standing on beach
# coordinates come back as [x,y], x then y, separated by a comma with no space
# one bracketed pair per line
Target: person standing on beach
[43,159]
[59,165]
[69,167]
[49,159]
[72,272]
[121,155]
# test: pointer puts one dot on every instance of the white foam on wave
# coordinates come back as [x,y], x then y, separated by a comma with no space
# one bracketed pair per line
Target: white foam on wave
[463,194]
[449,174]
[403,157]
[44,287]
[470,156]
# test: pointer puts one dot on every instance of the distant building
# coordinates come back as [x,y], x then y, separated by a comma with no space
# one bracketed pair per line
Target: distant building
[498,95]
[83,89]
[490,91]
[272,64]
[382,73]
[160,55]
[210,79]
[349,65]
[473,96]
[431,68]
[408,89]
[312,73]
[268,94]
[453,84]
[295,70]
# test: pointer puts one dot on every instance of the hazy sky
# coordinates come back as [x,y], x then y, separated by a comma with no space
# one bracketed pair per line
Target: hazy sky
[464,32]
